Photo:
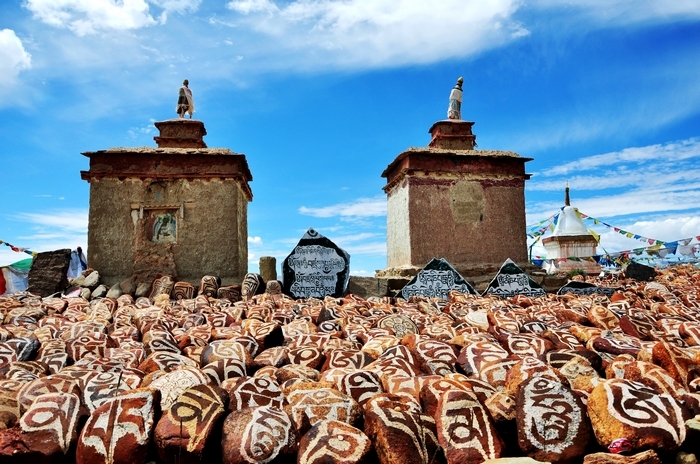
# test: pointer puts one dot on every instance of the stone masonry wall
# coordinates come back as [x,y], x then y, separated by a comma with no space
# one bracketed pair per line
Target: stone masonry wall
[211,221]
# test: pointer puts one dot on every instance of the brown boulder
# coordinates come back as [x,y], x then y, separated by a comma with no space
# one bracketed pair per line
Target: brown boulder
[361,385]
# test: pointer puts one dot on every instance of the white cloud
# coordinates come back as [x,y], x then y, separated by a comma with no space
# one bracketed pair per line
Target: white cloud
[637,180]
[90,16]
[377,249]
[13,57]
[663,154]
[252,6]
[357,33]
[255,240]
[74,221]
[47,231]
[361,273]
[362,207]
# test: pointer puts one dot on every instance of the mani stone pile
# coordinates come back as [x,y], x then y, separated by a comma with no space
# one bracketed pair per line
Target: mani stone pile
[559,379]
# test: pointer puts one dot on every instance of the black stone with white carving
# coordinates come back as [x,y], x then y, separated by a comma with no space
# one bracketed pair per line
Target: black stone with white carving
[316,268]
[511,281]
[436,280]
[585,288]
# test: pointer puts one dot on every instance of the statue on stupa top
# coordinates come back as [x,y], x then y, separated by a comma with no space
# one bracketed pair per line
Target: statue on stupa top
[185,100]
[454,111]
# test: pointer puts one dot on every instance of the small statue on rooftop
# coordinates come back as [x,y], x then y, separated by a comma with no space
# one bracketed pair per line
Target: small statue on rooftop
[185,101]
[454,111]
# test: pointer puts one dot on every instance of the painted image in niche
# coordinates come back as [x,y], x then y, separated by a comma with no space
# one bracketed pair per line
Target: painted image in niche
[163,228]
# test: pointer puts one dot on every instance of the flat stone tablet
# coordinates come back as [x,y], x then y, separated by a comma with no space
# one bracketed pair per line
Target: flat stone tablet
[316,268]
[436,280]
[511,280]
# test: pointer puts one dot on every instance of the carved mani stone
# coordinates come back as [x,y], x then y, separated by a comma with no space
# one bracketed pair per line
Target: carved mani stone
[396,429]
[231,293]
[552,422]
[161,286]
[315,404]
[258,435]
[227,349]
[252,285]
[183,291]
[465,430]
[249,392]
[307,355]
[333,441]
[620,408]
[361,385]
[224,369]
[173,384]
[184,429]
[209,286]
[120,430]
[50,425]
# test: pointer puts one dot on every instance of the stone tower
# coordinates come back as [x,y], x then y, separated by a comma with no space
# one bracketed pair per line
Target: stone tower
[179,209]
[448,200]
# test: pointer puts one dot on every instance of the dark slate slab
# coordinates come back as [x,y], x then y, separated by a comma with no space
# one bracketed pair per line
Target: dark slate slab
[638,271]
[584,288]
[49,272]
[436,280]
[511,281]
[316,268]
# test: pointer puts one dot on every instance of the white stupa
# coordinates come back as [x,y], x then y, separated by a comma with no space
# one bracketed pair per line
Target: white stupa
[569,224]
[571,239]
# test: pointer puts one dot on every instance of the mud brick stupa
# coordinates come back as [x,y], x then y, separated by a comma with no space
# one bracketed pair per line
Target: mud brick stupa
[179,209]
[448,200]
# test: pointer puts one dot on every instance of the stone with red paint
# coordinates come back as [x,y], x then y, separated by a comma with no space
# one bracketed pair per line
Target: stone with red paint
[120,430]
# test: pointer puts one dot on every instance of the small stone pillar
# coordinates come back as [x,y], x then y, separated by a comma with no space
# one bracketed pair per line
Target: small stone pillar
[268,268]
[180,209]
[450,201]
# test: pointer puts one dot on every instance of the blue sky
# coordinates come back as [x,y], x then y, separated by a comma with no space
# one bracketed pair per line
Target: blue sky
[321,95]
